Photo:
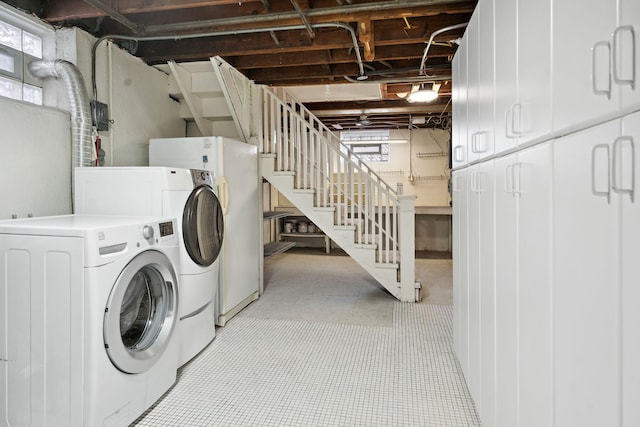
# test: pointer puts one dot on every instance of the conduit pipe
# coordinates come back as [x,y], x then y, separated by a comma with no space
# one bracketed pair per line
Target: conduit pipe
[347,27]
[433,35]
[82,150]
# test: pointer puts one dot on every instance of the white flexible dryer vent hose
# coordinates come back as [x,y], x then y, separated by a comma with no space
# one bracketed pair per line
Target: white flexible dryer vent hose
[82,150]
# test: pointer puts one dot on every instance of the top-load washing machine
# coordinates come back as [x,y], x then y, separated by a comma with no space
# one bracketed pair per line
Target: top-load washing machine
[187,195]
[89,308]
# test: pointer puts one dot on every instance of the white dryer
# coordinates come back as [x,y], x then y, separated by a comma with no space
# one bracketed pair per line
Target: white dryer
[89,309]
[187,195]
[235,166]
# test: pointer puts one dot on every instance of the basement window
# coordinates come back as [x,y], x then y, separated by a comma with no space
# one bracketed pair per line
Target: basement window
[18,48]
[368,146]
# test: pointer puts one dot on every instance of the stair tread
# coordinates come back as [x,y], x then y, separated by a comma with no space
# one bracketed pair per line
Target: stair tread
[387,265]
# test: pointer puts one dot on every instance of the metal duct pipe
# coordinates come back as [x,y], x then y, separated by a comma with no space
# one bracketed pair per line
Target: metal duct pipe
[433,35]
[81,127]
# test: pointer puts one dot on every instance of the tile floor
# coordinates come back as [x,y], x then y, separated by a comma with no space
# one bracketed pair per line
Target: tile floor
[326,346]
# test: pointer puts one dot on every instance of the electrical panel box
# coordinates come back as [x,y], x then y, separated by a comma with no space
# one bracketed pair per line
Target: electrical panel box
[100,113]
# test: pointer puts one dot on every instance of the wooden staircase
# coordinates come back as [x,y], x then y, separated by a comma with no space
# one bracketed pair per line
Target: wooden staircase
[308,164]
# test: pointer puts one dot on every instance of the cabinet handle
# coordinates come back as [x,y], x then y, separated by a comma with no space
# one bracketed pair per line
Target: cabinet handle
[458,153]
[508,179]
[594,84]
[616,61]
[476,182]
[456,185]
[517,185]
[616,155]
[595,192]
[508,123]
[517,112]
[476,140]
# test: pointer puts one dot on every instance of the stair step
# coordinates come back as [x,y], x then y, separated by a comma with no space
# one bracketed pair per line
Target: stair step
[304,190]
[324,209]
[345,227]
[365,246]
[383,255]
[284,173]
[388,265]
[268,155]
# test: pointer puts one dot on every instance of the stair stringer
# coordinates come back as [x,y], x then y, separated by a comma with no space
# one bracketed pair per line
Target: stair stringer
[344,236]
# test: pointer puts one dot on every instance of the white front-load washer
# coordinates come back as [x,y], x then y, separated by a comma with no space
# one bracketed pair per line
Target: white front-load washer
[89,310]
[187,195]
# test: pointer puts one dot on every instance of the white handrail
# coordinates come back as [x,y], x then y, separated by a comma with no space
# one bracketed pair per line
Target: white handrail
[319,161]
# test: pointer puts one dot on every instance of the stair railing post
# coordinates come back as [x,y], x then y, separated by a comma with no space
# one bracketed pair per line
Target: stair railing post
[408,291]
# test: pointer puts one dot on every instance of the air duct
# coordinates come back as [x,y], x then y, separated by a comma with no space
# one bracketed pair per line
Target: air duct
[82,150]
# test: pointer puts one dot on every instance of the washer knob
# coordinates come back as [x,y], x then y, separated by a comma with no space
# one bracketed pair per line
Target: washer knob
[147,232]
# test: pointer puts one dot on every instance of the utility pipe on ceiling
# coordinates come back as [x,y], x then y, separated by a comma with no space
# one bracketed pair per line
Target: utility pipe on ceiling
[424,79]
[217,34]
[136,28]
[433,35]
[311,13]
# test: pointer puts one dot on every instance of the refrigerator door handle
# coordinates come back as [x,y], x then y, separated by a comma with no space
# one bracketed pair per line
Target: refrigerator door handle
[223,193]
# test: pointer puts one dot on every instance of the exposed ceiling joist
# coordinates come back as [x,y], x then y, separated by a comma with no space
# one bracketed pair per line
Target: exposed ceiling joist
[391,37]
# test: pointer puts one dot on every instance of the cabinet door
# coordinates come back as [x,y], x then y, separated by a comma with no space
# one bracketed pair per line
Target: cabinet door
[484,140]
[582,47]
[472,374]
[586,344]
[533,175]
[460,267]
[506,293]
[532,113]
[629,149]
[505,27]
[626,50]
[473,87]
[459,151]
[487,402]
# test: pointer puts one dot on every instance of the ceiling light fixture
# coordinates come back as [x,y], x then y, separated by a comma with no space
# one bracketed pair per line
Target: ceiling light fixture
[375,141]
[424,93]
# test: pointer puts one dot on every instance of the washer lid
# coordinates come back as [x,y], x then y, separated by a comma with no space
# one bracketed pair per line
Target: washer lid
[203,226]
[141,312]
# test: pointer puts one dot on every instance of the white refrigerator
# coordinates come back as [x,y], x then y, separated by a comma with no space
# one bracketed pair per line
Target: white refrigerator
[234,165]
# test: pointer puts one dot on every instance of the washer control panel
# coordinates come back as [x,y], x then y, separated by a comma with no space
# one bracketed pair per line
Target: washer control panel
[159,232]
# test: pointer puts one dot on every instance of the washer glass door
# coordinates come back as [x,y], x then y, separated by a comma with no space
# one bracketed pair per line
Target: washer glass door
[141,312]
[203,226]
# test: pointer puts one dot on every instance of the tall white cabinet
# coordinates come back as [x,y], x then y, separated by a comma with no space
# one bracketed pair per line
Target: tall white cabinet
[546,212]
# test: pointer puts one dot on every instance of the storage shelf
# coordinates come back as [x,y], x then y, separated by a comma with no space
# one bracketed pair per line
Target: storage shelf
[275,215]
[274,248]
[302,234]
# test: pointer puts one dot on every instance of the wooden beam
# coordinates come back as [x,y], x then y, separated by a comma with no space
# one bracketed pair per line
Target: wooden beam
[365,34]
[65,10]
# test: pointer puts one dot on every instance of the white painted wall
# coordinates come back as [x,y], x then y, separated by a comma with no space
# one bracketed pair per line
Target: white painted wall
[430,174]
[35,142]
[433,232]
[35,154]
[138,99]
